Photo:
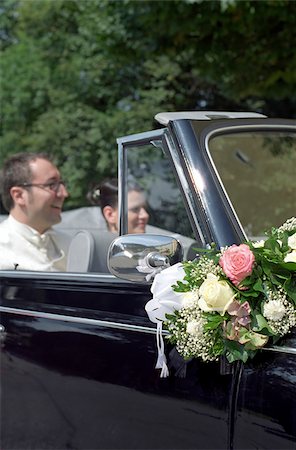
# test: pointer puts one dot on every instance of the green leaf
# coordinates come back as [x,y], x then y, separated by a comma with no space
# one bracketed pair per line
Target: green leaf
[257,341]
[235,352]
[213,321]
[258,286]
[290,288]
[291,266]
[259,322]
[249,293]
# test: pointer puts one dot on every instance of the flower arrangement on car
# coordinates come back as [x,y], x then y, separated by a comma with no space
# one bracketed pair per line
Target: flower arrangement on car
[231,301]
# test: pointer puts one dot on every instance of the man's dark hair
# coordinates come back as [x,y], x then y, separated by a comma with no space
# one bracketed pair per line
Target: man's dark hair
[16,170]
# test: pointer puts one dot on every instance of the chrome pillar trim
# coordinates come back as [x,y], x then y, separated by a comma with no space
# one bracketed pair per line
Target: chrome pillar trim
[80,320]
[202,234]
[122,189]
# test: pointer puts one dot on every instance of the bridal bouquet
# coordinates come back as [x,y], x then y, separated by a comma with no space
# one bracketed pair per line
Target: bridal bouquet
[231,301]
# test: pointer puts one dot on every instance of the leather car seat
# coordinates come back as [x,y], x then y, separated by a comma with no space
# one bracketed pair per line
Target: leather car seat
[81,252]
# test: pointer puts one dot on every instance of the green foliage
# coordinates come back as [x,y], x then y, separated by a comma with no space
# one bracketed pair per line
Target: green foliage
[213,321]
[76,75]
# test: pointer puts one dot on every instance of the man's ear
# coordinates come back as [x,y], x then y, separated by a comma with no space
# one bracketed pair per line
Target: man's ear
[18,195]
[111,217]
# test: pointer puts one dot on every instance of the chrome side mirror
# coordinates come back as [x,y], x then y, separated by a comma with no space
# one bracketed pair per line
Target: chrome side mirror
[137,257]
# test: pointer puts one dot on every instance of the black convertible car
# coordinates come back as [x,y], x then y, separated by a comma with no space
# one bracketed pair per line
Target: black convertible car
[78,351]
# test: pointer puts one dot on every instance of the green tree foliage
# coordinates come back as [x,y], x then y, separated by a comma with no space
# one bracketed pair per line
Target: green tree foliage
[77,74]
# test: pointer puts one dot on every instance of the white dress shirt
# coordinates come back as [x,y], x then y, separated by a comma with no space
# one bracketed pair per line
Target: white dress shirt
[23,248]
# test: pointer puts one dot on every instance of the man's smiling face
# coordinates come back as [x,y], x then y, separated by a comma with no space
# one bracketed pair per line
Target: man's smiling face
[44,205]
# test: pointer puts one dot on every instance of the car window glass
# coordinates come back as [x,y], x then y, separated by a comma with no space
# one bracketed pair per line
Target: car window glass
[257,170]
[149,168]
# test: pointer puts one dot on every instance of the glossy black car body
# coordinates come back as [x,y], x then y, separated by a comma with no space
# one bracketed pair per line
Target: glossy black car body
[78,351]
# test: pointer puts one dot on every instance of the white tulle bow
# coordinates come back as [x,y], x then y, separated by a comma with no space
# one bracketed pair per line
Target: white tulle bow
[165,301]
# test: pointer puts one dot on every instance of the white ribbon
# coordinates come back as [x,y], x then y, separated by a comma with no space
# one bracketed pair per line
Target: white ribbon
[151,272]
[161,362]
[164,301]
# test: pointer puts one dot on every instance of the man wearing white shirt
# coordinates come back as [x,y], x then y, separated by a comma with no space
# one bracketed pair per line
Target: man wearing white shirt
[33,193]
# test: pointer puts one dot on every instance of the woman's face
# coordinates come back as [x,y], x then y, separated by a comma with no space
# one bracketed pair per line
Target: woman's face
[137,212]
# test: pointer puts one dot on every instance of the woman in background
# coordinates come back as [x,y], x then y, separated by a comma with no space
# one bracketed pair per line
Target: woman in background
[106,196]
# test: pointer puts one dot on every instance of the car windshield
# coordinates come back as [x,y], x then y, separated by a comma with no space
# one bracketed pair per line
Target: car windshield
[257,170]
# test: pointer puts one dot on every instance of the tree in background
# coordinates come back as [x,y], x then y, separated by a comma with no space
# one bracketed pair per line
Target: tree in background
[76,75]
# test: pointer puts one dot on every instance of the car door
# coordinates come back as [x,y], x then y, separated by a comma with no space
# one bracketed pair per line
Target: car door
[243,174]
[78,355]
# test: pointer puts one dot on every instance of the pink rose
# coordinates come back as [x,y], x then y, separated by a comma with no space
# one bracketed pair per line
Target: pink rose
[237,262]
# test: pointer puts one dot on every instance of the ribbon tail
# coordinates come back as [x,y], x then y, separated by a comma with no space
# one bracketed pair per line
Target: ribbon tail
[164,371]
[161,358]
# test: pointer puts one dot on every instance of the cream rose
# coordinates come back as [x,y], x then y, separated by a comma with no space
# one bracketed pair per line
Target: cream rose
[291,257]
[292,241]
[215,294]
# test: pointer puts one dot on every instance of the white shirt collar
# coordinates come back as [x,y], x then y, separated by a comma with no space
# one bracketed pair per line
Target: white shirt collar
[29,233]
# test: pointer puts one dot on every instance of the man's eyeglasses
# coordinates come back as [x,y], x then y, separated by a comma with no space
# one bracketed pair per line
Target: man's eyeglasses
[51,185]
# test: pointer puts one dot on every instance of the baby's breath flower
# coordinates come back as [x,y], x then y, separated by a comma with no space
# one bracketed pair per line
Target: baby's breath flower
[191,339]
[284,326]
[195,327]
[190,299]
[279,312]
[274,310]
[289,225]
[203,267]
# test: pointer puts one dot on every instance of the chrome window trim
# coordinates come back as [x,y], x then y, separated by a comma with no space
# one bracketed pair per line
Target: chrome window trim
[277,348]
[124,143]
[113,325]
[59,276]
[79,320]
[142,139]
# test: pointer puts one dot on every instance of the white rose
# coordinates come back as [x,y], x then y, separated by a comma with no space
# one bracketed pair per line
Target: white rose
[215,295]
[291,257]
[258,244]
[194,327]
[274,310]
[292,241]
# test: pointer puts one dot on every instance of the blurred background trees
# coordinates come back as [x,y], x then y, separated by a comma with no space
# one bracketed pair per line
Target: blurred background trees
[77,74]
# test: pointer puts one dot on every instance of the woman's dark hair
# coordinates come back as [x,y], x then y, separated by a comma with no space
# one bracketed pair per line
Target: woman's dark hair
[106,193]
